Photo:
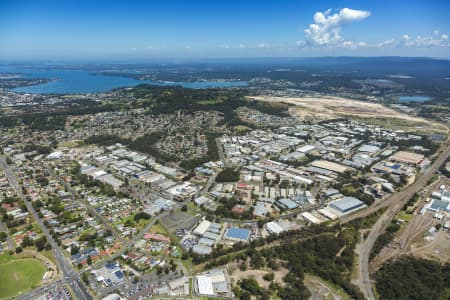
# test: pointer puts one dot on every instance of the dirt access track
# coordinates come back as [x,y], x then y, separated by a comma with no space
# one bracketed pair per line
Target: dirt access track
[324,108]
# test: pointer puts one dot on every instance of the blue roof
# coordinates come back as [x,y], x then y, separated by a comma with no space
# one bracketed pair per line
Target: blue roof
[119,274]
[237,233]
[111,265]
[89,251]
[439,205]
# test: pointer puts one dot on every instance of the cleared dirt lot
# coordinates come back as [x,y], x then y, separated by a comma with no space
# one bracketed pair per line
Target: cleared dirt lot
[237,275]
[438,249]
[405,240]
[179,220]
[320,290]
[324,108]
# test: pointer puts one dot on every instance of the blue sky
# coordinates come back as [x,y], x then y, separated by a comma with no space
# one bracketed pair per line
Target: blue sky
[195,29]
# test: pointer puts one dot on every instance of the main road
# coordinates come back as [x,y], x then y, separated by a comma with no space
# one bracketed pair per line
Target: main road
[69,275]
[394,204]
[86,205]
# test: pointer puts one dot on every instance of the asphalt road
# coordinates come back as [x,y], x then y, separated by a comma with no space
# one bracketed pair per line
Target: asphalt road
[127,246]
[8,238]
[69,275]
[221,154]
[394,203]
[77,198]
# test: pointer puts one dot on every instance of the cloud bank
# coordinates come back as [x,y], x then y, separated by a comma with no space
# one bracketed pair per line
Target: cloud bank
[327,28]
[327,31]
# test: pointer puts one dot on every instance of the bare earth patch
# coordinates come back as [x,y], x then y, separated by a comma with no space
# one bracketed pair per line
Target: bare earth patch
[438,249]
[320,290]
[324,108]
[237,275]
[416,228]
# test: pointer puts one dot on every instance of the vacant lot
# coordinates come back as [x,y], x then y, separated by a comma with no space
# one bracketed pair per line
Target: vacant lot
[178,220]
[324,108]
[437,249]
[237,275]
[19,275]
[321,290]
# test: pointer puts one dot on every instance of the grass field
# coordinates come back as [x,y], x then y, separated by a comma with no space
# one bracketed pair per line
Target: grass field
[70,144]
[210,101]
[19,275]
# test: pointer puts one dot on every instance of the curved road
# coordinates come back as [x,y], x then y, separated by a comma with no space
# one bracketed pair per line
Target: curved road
[395,203]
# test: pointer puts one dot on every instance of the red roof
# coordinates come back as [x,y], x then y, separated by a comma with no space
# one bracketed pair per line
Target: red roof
[156,237]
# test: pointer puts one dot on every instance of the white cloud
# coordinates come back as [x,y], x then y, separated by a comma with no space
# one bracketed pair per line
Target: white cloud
[326,29]
[387,43]
[424,41]
[263,45]
[300,43]
[406,40]
[231,47]
[348,44]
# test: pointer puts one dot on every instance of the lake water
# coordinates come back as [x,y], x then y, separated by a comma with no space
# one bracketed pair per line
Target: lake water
[406,99]
[80,82]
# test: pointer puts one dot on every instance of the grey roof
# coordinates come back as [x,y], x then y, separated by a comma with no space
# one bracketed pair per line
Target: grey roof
[201,249]
[206,241]
[211,235]
[220,287]
[288,203]
[347,203]
[440,205]
[368,148]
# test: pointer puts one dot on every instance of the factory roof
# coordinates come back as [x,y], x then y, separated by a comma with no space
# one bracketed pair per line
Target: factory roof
[407,157]
[237,234]
[205,286]
[346,204]
[440,205]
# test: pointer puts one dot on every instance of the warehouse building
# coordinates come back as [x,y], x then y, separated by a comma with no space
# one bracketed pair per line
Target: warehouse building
[237,234]
[347,205]
[309,217]
[202,228]
[274,228]
[439,205]
[214,283]
[408,157]
[330,166]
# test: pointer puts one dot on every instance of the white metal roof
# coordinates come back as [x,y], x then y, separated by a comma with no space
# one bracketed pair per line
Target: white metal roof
[205,286]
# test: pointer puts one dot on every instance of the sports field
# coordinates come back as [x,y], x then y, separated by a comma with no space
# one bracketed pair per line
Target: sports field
[19,275]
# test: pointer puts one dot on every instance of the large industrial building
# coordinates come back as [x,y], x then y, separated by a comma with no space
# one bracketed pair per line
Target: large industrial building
[214,283]
[408,157]
[330,166]
[347,205]
[237,234]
